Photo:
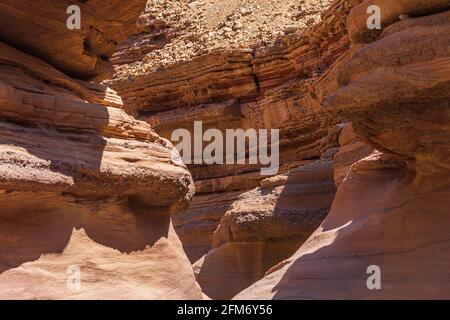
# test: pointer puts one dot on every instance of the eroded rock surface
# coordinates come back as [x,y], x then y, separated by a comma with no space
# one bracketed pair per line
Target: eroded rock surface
[89,182]
[39,28]
[237,87]
[247,85]
[84,186]
[174,31]
[264,226]
[391,209]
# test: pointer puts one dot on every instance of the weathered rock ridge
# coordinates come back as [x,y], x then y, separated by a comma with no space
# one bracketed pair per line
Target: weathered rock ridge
[391,209]
[390,164]
[247,87]
[83,185]
[39,28]
[90,184]
[264,226]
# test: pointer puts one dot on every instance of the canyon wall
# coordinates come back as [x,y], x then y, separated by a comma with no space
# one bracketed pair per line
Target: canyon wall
[391,207]
[86,190]
[241,223]
[91,186]
[391,84]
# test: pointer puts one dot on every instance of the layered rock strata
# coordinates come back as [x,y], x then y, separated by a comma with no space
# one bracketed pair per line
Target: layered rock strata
[86,190]
[239,87]
[88,183]
[391,209]
[264,226]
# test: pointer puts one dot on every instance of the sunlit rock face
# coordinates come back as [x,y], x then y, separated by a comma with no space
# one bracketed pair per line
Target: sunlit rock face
[86,190]
[96,204]
[391,207]
[252,86]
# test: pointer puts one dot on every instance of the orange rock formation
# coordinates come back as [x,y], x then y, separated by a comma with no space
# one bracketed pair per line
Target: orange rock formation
[89,181]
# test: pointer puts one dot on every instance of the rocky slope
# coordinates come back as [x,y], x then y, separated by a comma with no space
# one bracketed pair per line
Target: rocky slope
[83,185]
[174,31]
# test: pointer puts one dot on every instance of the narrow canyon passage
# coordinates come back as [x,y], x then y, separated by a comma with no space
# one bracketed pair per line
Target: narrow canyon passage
[240,223]
[98,201]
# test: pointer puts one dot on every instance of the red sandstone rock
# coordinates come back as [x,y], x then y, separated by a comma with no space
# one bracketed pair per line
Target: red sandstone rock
[263,227]
[260,87]
[390,12]
[82,183]
[391,209]
[39,28]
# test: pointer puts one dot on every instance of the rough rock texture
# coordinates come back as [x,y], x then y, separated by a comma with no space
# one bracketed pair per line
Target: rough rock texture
[391,209]
[264,226]
[237,87]
[173,31]
[39,28]
[241,84]
[82,183]
[91,182]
